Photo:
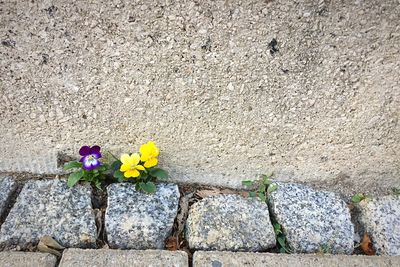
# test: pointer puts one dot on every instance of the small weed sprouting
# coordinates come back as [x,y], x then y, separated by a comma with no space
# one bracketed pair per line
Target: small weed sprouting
[357,198]
[396,191]
[264,186]
[282,242]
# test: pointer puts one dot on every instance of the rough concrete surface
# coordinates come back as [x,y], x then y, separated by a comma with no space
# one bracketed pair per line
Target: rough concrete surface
[312,220]
[24,259]
[227,89]
[380,218]
[123,258]
[49,207]
[229,222]
[7,187]
[137,220]
[239,259]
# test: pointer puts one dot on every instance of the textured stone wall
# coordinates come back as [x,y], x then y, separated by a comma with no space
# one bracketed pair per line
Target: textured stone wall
[227,89]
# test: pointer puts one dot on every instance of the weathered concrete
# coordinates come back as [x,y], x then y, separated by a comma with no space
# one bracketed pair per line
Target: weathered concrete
[380,218]
[136,220]
[207,83]
[7,188]
[123,258]
[239,259]
[24,259]
[229,222]
[49,207]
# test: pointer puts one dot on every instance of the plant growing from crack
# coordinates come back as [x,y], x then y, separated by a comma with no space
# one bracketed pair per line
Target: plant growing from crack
[357,198]
[137,168]
[282,242]
[263,187]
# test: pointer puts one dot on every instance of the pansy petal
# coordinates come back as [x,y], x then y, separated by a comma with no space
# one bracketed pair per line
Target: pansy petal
[135,158]
[140,167]
[94,149]
[151,163]
[96,155]
[131,173]
[124,167]
[84,151]
[95,164]
[125,158]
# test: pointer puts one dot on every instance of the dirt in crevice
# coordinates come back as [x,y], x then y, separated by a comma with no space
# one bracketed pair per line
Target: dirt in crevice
[99,205]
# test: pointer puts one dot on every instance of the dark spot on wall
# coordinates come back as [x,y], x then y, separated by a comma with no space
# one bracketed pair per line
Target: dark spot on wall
[207,45]
[131,19]
[273,46]
[285,71]
[8,43]
[51,10]
[45,58]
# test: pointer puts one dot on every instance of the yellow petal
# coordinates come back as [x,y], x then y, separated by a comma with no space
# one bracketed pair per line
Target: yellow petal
[124,167]
[140,167]
[131,173]
[125,158]
[151,163]
[135,158]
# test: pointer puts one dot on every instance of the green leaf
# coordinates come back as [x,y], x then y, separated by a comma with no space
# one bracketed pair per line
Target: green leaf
[159,173]
[277,228]
[116,165]
[271,188]
[357,198]
[262,197]
[72,165]
[282,250]
[248,183]
[396,191]
[119,176]
[282,241]
[148,187]
[74,178]
[266,179]
[252,194]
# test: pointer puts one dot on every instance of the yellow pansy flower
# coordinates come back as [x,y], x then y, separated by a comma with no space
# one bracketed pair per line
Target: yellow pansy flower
[149,153]
[130,165]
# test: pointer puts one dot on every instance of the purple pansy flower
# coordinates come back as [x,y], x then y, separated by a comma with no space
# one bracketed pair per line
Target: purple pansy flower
[90,157]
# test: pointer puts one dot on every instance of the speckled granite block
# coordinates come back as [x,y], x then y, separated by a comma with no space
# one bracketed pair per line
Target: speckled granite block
[312,220]
[49,207]
[380,217]
[7,188]
[229,222]
[136,220]
[25,259]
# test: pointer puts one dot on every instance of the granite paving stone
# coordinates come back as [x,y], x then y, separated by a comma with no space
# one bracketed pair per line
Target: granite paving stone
[229,222]
[240,259]
[380,218]
[123,258]
[7,188]
[312,220]
[136,220]
[49,207]
[24,259]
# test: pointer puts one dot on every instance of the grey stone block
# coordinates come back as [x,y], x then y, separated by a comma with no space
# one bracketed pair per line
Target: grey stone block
[138,220]
[7,188]
[49,207]
[24,259]
[123,258]
[239,259]
[380,217]
[229,222]
[312,220]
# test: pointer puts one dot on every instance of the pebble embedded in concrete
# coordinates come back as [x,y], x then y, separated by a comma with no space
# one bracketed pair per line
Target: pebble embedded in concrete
[380,218]
[136,220]
[313,221]
[229,222]
[7,188]
[49,207]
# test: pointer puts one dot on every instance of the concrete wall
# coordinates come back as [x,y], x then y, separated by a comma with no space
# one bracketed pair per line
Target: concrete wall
[227,89]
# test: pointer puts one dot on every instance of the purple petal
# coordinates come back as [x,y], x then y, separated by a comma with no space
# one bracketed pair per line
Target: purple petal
[89,163]
[81,160]
[96,155]
[84,151]
[94,149]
